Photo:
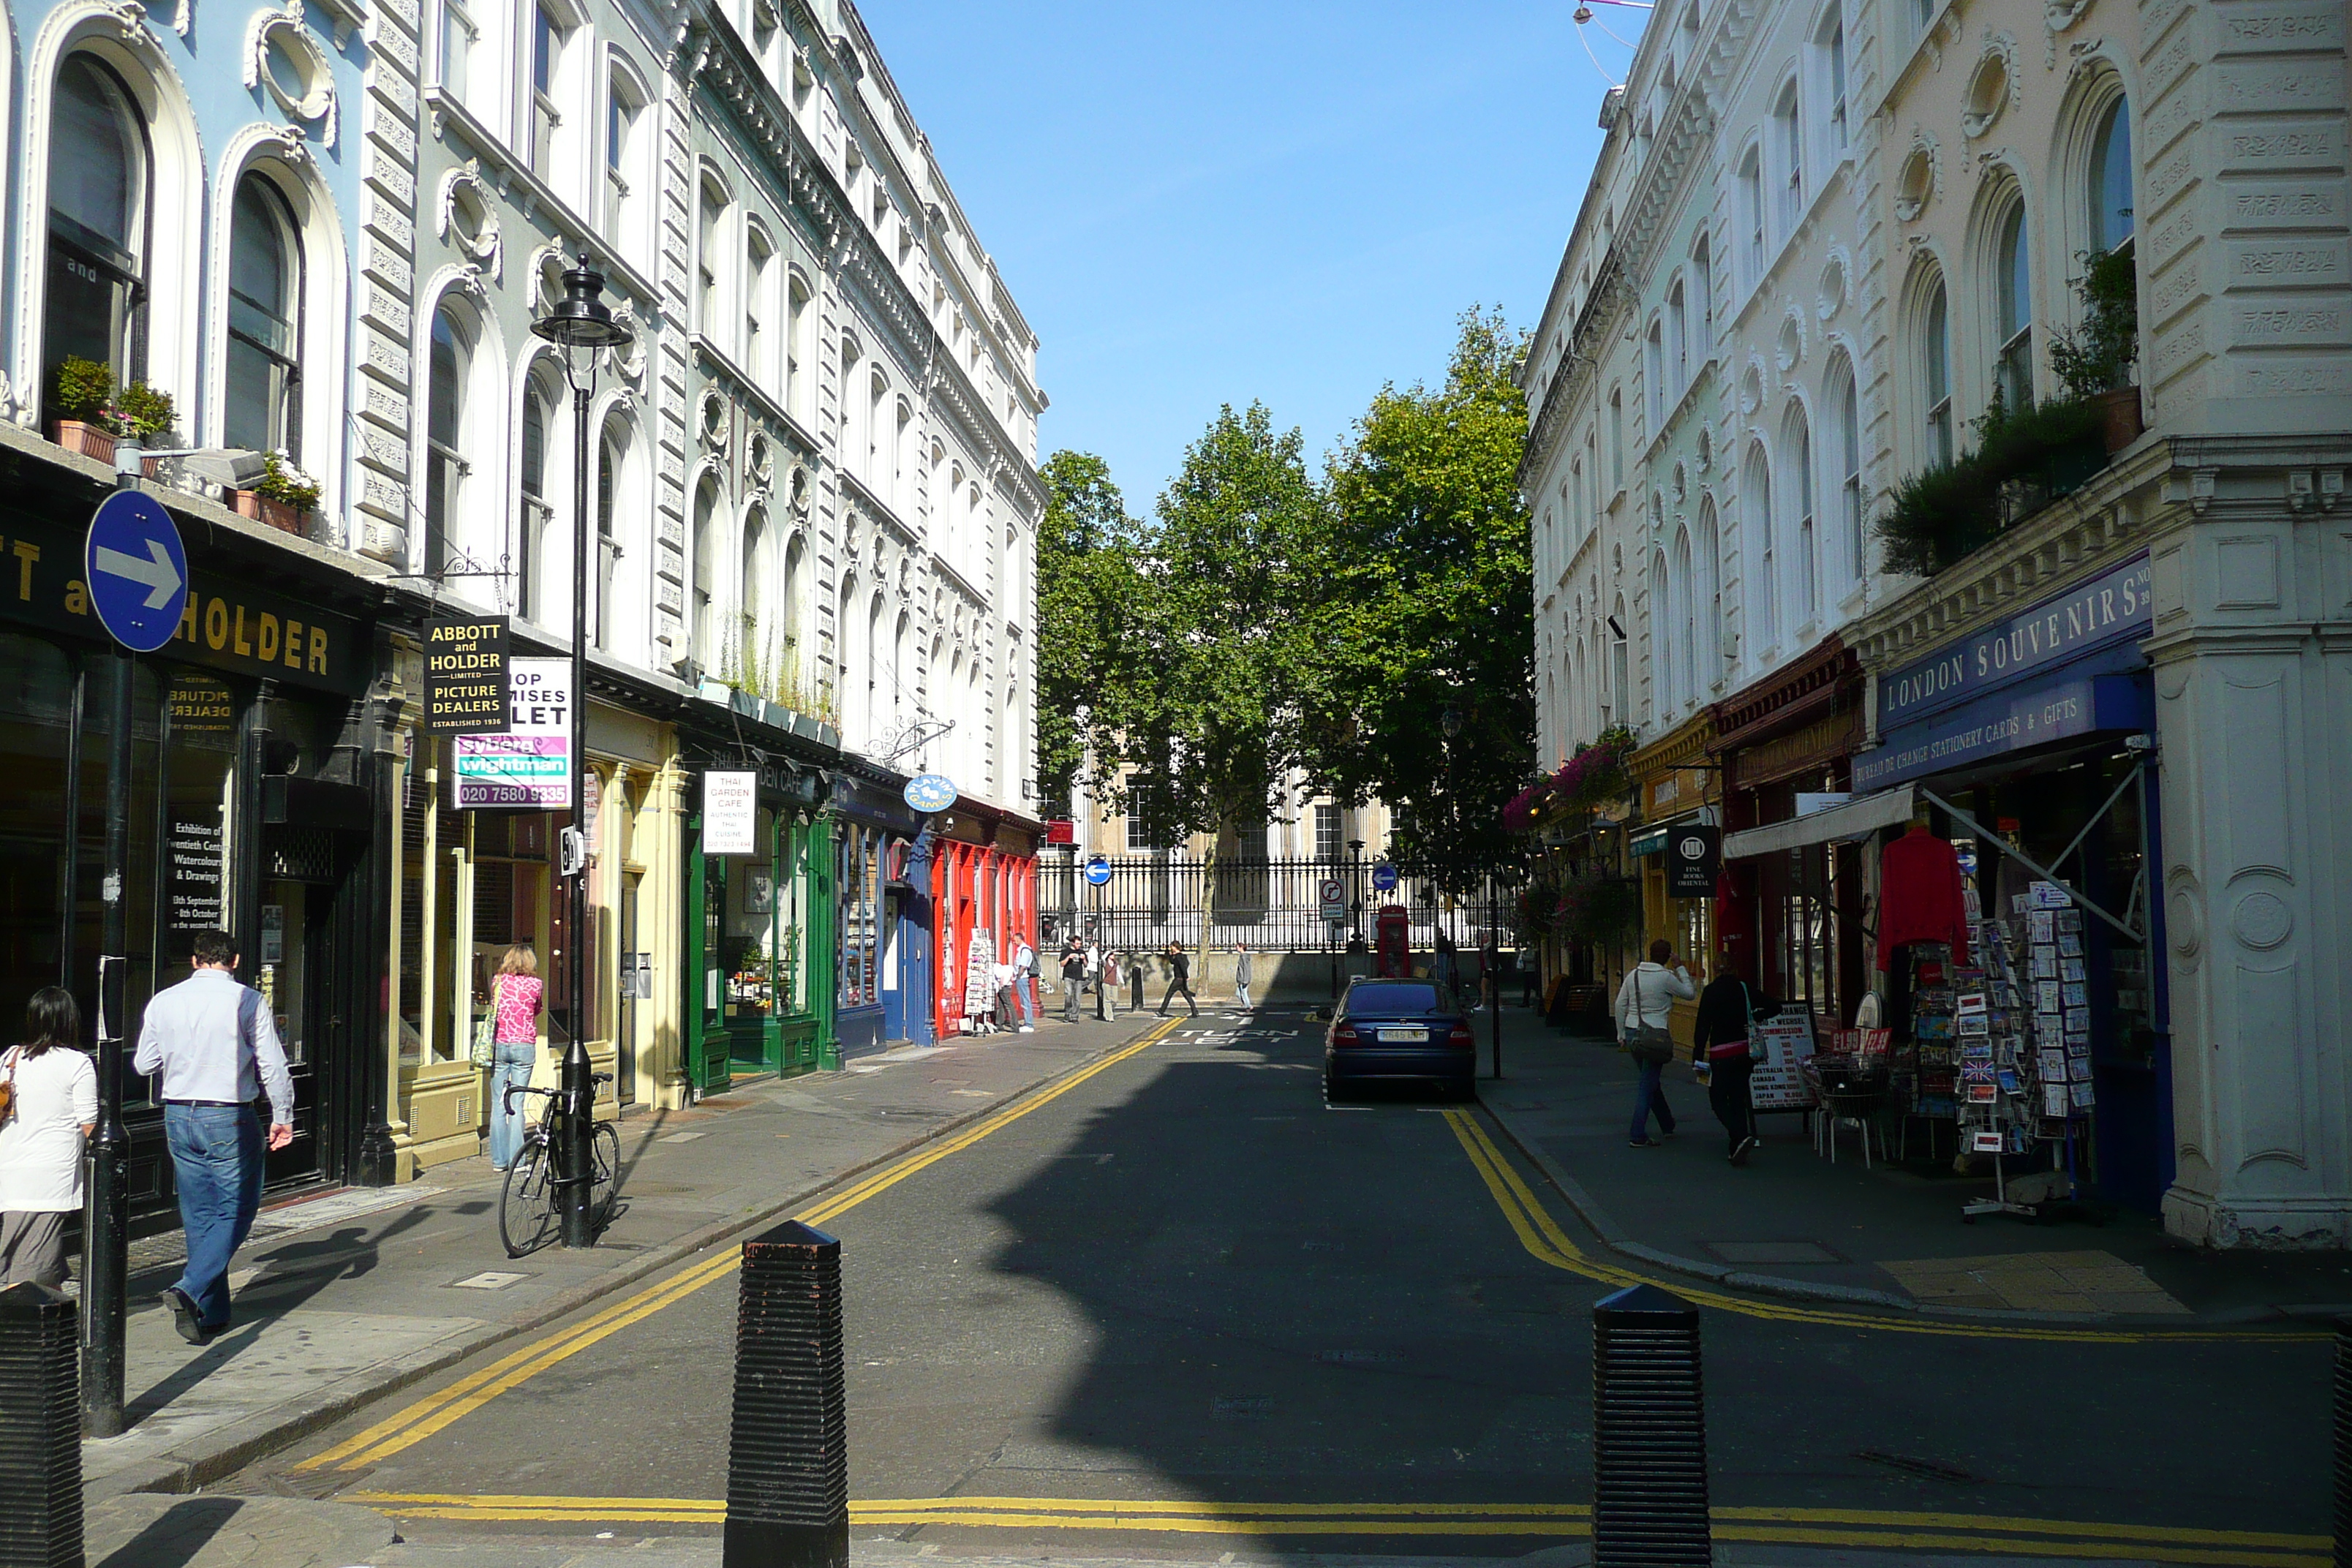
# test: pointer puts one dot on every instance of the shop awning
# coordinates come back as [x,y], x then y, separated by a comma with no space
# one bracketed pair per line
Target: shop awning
[1854,819]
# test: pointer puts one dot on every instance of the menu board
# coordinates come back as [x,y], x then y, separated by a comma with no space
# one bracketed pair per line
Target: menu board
[1779,1044]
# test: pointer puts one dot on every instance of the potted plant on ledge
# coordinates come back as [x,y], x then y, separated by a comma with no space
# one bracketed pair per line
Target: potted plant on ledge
[2093,362]
[92,412]
[284,497]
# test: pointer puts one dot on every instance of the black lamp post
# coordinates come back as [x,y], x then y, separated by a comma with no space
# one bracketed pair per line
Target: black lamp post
[580,324]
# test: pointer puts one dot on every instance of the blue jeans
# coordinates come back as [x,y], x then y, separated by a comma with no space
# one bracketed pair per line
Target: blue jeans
[510,1063]
[1024,996]
[217,1165]
[1650,1095]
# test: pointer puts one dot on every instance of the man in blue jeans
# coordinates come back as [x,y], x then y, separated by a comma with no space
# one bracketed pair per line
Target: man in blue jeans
[210,1038]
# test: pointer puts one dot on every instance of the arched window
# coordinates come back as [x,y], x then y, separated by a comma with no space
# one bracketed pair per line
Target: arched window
[795,597]
[1701,304]
[263,409]
[1756,551]
[852,450]
[750,598]
[2013,311]
[2111,180]
[1846,407]
[534,514]
[1617,438]
[902,469]
[1620,684]
[1798,438]
[710,265]
[451,356]
[460,41]
[1707,603]
[797,380]
[1935,366]
[1663,593]
[1829,41]
[1677,342]
[551,35]
[1789,146]
[874,452]
[611,452]
[878,692]
[1653,367]
[702,624]
[759,272]
[851,676]
[1751,218]
[98,222]
[625,109]
[1682,625]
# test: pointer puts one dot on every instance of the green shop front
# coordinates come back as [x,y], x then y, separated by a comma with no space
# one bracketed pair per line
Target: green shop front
[759,929]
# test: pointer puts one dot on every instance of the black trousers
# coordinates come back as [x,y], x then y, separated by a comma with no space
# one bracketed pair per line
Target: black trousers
[1726,1090]
[1169,995]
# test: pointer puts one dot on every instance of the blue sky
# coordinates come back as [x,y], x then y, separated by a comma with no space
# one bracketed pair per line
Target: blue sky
[1212,203]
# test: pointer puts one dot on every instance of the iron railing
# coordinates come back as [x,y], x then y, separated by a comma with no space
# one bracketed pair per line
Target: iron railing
[1275,905]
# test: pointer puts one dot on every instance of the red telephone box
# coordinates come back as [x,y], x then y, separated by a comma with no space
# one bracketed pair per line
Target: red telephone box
[1393,950]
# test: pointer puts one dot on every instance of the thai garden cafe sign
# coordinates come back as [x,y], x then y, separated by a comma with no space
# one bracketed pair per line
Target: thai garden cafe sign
[528,763]
[2111,608]
[229,625]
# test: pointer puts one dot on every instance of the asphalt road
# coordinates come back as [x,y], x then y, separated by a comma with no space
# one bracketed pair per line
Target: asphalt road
[1186,1282]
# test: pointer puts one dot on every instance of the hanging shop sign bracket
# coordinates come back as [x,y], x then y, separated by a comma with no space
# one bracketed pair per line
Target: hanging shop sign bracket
[2133,923]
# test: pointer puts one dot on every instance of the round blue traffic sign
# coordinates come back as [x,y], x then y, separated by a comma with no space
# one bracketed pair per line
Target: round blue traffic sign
[1384,877]
[1098,870]
[137,572]
[931,791]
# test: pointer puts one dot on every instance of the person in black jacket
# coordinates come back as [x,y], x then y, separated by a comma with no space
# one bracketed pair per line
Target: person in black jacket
[1719,1044]
[1180,978]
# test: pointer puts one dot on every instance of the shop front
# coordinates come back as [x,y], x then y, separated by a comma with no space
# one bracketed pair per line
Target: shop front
[984,902]
[1792,914]
[759,915]
[885,922]
[2019,935]
[253,787]
[1677,785]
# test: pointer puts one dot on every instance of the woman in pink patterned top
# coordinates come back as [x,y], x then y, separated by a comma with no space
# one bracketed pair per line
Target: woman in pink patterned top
[515,996]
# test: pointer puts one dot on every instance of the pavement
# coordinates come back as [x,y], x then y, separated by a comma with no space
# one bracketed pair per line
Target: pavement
[345,1297]
[1889,1234]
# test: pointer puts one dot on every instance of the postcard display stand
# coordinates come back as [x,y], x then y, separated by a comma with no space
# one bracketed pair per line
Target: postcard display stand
[2021,1038]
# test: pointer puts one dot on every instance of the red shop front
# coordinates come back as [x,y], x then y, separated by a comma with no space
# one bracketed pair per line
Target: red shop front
[984,904]
[1793,921]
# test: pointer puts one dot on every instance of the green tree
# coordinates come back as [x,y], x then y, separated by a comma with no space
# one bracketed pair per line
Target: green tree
[1088,589]
[1425,602]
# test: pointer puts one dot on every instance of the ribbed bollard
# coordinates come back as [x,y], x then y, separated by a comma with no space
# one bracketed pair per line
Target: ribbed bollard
[1649,1434]
[788,1463]
[41,1430]
[2343,1443]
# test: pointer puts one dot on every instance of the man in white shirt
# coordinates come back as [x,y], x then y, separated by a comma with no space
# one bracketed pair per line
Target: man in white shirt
[210,1038]
[1647,999]
[1024,984]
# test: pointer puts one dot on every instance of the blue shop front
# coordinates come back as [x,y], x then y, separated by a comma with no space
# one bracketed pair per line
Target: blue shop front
[885,922]
[2027,747]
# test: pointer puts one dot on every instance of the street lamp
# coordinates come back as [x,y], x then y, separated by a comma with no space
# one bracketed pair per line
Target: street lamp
[580,324]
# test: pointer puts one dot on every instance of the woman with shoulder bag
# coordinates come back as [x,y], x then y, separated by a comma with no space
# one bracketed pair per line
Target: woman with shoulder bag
[1644,1004]
[513,1020]
[1726,1012]
[52,1107]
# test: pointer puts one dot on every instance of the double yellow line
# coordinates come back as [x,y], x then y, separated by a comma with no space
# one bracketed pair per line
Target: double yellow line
[1883,1530]
[1544,1239]
[429,1415]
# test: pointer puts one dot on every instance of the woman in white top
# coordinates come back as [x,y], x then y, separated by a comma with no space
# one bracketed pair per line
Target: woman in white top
[55,1109]
[1648,997]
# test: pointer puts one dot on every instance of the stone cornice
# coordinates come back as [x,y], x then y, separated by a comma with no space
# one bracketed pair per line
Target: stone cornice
[1808,686]
[1607,301]
[1686,745]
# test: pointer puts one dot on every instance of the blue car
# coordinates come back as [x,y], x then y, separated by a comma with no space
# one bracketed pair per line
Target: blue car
[1399,1031]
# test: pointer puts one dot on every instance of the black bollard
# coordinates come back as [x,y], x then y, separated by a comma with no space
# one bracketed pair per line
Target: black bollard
[41,1430]
[2343,1443]
[788,1464]
[1649,1434]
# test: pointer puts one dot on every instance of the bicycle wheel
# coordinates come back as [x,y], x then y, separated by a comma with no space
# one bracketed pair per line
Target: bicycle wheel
[603,1194]
[527,1218]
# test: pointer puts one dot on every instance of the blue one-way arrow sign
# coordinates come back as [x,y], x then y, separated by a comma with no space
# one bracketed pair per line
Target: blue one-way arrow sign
[137,572]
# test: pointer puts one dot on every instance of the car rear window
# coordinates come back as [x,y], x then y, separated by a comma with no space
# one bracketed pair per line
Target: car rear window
[1399,997]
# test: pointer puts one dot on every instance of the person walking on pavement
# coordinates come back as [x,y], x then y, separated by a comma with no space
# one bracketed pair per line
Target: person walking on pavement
[1074,979]
[210,1038]
[515,992]
[1180,978]
[1644,1004]
[1241,974]
[1106,986]
[1025,985]
[1728,1010]
[52,1109]
[1135,968]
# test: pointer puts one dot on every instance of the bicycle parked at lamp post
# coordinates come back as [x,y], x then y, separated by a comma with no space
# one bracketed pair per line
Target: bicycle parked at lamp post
[530,1206]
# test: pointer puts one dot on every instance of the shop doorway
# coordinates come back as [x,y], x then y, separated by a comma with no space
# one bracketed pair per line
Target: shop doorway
[625,1040]
[294,971]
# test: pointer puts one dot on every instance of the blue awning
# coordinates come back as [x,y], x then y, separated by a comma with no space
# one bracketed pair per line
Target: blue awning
[2011,721]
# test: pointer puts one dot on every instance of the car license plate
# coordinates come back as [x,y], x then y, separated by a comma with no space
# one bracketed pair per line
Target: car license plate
[1403,1037]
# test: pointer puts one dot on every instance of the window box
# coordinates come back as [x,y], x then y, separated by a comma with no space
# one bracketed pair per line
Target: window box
[2119,417]
[88,440]
[276,513]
